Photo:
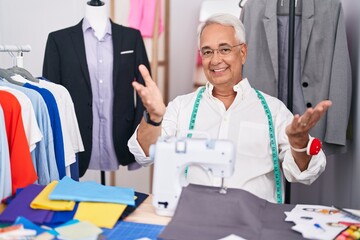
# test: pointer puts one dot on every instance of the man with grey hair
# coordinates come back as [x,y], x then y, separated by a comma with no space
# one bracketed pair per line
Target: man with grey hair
[268,138]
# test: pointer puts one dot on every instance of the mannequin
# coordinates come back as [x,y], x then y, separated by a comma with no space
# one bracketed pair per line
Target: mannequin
[82,58]
[97,15]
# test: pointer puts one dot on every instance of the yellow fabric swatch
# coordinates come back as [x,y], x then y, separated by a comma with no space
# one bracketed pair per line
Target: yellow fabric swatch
[42,200]
[99,213]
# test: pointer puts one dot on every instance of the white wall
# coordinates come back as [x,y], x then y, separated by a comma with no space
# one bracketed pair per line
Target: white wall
[183,24]
[25,22]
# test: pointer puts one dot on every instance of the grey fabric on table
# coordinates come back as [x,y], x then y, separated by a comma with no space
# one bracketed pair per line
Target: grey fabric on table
[204,213]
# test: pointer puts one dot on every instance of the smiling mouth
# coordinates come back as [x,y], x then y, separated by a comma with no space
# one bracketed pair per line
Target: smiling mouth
[218,70]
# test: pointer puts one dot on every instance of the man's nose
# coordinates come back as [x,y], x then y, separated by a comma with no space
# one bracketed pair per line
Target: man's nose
[216,57]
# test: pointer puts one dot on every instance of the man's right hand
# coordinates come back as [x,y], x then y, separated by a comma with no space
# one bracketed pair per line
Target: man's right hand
[150,95]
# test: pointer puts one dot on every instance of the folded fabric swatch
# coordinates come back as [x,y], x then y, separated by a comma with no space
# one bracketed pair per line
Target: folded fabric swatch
[30,225]
[101,214]
[90,191]
[20,206]
[42,200]
[60,217]
[140,197]
[78,230]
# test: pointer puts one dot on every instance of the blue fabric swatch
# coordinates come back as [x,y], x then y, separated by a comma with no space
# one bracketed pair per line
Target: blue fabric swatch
[90,191]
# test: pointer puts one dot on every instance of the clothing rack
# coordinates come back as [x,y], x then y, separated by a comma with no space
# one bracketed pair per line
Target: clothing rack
[290,76]
[16,49]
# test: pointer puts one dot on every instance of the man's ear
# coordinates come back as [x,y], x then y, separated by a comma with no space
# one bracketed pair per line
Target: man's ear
[243,51]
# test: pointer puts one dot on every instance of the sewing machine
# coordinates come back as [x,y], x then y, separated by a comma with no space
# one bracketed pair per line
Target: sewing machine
[171,158]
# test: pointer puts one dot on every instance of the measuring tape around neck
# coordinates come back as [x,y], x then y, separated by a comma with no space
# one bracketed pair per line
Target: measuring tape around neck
[275,156]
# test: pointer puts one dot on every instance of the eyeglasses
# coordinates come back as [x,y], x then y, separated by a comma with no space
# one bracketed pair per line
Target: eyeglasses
[223,50]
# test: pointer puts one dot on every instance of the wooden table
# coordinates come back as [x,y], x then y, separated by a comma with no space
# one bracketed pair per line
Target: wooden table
[145,213]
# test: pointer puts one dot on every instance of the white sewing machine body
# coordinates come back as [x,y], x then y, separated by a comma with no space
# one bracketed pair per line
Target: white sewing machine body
[171,157]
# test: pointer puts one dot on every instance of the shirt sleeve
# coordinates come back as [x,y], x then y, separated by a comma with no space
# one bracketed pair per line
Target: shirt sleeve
[169,126]
[137,151]
[293,174]
[290,169]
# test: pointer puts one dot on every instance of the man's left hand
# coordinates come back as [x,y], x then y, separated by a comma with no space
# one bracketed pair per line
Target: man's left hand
[298,130]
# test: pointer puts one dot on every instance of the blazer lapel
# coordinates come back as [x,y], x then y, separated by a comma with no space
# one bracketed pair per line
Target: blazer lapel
[306,29]
[270,26]
[117,42]
[77,37]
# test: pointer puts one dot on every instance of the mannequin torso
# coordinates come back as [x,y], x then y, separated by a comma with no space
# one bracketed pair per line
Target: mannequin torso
[97,17]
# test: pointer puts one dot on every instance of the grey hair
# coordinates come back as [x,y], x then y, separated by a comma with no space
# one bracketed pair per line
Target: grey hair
[225,20]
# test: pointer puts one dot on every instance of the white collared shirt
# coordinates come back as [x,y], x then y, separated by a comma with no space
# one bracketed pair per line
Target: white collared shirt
[246,125]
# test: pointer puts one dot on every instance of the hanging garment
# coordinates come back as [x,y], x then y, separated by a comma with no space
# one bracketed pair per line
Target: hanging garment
[142,16]
[31,127]
[22,169]
[67,47]
[70,128]
[324,64]
[44,153]
[55,125]
[5,171]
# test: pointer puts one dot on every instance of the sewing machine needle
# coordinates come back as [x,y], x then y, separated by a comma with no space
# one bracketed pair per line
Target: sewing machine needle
[222,189]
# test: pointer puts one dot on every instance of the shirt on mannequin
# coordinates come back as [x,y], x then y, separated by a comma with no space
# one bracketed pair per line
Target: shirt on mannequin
[97,17]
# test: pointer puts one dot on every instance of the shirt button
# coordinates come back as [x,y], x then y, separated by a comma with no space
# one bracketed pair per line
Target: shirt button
[308,105]
[305,84]
[100,81]
[100,61]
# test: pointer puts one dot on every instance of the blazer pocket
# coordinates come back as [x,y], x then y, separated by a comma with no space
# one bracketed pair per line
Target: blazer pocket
[126,52]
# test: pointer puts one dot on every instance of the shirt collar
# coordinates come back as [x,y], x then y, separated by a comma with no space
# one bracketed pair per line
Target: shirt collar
[241,88]
[86,25]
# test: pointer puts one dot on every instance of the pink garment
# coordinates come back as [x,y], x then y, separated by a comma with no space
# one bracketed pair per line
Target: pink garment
[198,59]
[142,16]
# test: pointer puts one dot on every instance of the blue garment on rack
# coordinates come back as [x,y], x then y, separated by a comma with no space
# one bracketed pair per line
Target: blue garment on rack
[90,191]
[55,125]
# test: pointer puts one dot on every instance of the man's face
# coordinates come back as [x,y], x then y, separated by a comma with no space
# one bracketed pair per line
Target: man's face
[223,67]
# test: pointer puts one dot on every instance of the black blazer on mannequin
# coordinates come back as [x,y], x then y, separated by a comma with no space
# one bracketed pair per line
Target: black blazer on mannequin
[65,63]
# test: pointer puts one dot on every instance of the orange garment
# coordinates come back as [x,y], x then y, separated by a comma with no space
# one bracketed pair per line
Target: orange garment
[22,169]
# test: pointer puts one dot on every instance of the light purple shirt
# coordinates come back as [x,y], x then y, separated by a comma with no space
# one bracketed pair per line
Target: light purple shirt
[99,56]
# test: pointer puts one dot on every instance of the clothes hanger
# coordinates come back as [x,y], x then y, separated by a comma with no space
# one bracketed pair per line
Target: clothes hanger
[242,3]
[95,3]
[6,74]
[24,73]
[283,7]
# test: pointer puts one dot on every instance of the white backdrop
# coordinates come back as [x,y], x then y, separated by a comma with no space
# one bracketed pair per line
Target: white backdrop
[25,22]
